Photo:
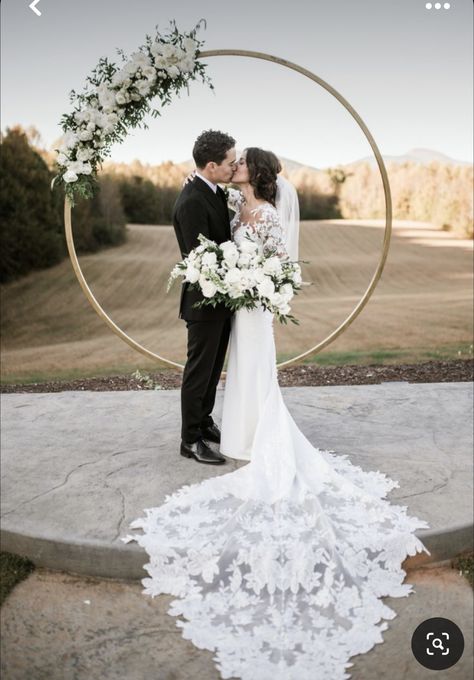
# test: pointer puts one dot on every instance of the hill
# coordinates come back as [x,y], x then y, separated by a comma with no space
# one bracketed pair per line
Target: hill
[423,300]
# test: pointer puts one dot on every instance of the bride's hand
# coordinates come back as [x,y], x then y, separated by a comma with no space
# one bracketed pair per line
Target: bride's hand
[189,178]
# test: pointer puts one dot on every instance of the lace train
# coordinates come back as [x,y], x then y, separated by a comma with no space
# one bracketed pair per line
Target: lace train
[278,566]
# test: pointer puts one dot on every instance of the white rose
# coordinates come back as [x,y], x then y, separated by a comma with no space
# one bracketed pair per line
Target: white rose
[85,135]
[70,140]
[287,291]
[190,45]
[209,259]
[122,98]
[259,275]
[234,292]
[192,274]
[70,176]
[244,260]
[272,266]
[248,247]
[86,169]
[284,308]
[173,72]
[187,65]
[233,276]
[81,116]
[106,97]
[209,289]
[266,287]
[297,278]
[276,299]
[143,87]
[156,48]
[62,159]
[140,59]
[149,74]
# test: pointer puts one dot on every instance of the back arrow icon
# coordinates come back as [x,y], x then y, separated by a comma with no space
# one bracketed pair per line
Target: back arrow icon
[33,7]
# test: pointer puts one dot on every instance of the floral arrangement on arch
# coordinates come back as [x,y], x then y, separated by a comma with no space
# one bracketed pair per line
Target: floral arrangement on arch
[117,99]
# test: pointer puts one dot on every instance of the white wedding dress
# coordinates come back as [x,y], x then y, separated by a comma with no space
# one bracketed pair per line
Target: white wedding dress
[278,567]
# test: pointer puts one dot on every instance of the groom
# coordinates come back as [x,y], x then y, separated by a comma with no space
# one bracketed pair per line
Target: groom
[201,208]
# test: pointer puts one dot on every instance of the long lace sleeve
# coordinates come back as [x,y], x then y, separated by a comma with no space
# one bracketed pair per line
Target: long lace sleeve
[271,233]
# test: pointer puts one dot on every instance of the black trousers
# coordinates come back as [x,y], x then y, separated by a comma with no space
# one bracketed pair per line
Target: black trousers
[207,345]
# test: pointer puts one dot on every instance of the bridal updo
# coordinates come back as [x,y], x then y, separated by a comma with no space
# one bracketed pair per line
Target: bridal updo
[262,167]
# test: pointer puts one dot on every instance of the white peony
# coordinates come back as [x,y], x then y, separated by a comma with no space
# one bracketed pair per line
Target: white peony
[296,276]
[209,259]
[140,60]
[190,45]
[81,116]
[287,291]
[70,176]
[209,289]
[244,260]
[173,72]
[122,97]
[276,299]
[149,73]
[106,97]
[85,135]
[284,308]
[62,159]
[248,247]
[187,65]
[70,140]
[192,274]
[259,275]
[272,265]
[233,276]
[266,287]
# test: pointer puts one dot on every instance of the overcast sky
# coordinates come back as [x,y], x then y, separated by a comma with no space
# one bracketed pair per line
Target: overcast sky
[405,69]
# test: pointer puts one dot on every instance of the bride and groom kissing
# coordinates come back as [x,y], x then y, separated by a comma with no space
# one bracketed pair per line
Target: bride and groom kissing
[203,208]
[278,566]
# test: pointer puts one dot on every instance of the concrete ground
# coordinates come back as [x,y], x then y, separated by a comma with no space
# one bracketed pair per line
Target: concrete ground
[58,626]
[78,467]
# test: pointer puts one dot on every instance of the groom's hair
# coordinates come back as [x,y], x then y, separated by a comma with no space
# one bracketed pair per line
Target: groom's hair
[211,145]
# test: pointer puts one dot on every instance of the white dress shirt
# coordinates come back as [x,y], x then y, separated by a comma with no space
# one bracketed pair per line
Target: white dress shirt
[213,186]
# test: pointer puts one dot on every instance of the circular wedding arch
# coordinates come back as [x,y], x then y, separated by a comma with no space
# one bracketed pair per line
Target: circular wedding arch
[386,241]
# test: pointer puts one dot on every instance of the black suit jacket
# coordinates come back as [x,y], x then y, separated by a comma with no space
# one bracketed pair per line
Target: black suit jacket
[198,210]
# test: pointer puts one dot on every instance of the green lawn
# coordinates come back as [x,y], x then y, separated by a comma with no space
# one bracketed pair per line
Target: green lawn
[325,358]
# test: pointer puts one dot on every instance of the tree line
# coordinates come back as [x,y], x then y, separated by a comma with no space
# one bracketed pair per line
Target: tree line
[32,221]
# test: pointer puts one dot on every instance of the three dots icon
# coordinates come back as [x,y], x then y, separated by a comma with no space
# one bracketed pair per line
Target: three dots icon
[437,5]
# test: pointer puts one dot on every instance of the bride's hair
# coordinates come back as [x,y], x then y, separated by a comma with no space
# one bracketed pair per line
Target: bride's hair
[262,173]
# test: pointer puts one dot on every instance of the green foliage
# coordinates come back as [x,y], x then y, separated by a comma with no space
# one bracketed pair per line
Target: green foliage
[132,114]
[100,221]
[31,229]
[146,203]
[31,215]
[13,569]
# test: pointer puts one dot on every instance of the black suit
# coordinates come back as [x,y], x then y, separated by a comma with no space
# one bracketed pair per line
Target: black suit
[199,210]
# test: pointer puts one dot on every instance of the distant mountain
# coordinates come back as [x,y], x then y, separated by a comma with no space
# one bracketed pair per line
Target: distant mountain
[423,156]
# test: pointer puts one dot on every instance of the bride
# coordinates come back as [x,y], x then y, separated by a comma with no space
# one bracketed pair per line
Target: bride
[278,567]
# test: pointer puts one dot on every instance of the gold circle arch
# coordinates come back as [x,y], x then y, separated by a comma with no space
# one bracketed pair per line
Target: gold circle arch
[386,242]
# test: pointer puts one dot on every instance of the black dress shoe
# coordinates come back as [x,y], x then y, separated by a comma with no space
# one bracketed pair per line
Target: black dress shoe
[212,433]
[201,452]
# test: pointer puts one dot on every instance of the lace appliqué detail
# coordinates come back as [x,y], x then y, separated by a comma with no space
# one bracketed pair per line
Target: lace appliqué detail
[264,229]
[286,589]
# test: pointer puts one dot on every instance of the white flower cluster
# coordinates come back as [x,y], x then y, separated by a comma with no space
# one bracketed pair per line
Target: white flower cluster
[90,128]
[240,276]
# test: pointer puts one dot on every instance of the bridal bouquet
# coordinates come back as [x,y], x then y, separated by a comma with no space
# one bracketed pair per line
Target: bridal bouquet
[240,277]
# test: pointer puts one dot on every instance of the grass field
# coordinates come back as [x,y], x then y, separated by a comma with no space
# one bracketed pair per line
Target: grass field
[422,306]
